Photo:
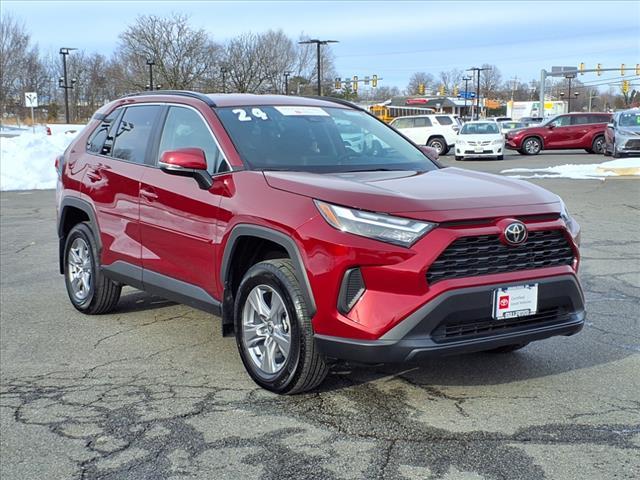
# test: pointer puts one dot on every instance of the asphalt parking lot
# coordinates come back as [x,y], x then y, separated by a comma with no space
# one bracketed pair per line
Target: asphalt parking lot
[153,390]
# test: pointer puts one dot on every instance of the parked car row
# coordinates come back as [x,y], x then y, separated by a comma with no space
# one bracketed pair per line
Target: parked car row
[594,132]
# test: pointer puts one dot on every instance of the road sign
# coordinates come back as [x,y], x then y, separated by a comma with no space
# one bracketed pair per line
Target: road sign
[31,99]
[467,95]
[563,69]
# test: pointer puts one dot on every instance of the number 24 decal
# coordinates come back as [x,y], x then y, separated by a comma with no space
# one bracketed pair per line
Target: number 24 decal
[243,116]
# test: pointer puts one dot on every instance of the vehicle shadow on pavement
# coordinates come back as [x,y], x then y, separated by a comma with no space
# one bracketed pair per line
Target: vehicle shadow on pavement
[136,301]
[537,360]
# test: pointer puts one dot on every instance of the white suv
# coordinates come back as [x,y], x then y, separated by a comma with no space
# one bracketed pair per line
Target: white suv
[437,130]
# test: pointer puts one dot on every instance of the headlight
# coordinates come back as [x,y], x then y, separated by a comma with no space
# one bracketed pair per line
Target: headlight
[498,142]
[570,222]
[459,141]
[386,228]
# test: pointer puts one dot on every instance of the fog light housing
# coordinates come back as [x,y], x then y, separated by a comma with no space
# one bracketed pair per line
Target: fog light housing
[351,289]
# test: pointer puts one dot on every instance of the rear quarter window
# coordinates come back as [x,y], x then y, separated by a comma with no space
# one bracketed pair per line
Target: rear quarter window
[444,120]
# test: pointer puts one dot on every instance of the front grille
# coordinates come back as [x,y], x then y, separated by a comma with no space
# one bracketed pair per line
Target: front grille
[486,254]
[633,144]
[459,331]
[473,151]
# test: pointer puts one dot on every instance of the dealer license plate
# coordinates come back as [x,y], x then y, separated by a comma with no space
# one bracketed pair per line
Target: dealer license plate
[512,302]
[479,149]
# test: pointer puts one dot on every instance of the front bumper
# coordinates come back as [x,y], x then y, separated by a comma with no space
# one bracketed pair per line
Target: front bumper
[628,145]
[487,151]
[460,321]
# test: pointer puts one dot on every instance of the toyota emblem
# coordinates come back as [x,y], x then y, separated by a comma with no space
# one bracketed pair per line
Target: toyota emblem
[515,233]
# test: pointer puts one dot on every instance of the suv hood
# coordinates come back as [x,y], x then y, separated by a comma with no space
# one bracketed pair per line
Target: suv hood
[402,191]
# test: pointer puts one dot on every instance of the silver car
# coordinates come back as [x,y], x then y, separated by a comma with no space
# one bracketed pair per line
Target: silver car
[622,135]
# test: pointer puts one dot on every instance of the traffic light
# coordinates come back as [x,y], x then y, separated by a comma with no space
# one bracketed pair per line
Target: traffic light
[622,70]
[338,83]
[421,88]
[625,86]
[374,81]
[455,90]
[355,83]
[581,68]
[598,67]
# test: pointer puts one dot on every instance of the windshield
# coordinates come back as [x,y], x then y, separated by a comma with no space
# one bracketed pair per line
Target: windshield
[631,119]
[479,128]
[319,139]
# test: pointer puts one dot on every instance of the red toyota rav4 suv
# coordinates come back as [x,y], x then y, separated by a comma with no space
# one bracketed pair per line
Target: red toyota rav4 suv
[313,229]
[563,132]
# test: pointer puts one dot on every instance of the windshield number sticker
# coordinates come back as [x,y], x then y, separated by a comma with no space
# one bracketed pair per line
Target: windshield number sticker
[243,116]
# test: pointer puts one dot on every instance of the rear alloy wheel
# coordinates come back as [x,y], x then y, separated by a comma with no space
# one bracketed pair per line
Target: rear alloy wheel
[89,290]
[273,330]
[531,146]
[439,144]
[598,144]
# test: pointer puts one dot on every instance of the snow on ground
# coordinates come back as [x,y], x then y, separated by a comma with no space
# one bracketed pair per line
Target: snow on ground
[27,161]
[614,168]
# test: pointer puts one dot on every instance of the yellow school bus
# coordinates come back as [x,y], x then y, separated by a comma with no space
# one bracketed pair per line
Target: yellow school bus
[386,113]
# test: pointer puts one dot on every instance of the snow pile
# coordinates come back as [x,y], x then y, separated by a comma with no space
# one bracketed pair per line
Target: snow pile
[27,161]
[614,168]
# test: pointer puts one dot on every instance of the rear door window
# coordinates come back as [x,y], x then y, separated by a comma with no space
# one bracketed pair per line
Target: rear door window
[421,122]
[134,133]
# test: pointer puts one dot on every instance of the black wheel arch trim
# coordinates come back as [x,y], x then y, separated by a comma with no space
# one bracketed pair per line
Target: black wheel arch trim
[248,230]
[86,207]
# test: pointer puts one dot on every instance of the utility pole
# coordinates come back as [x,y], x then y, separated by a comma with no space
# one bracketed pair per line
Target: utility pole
[466,92]
[151,63]
[319,66]
[63,82]
[591,97]
[286,82]
[513,88]
[569,77]
[476,71]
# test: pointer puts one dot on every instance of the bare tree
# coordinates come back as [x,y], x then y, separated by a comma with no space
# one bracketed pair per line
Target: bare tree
[416,79]
[450,79]
[490,81]
[183,56]
[244,64]
[18,60]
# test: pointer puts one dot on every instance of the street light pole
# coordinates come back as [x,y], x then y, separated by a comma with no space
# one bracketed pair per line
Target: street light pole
[151,63]
[223,71]
[476,71]
[319,66]
[286,82]
[65,84]
[466,92]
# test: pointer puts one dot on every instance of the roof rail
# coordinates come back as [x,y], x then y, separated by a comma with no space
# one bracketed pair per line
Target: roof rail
[185,93]
[339,101]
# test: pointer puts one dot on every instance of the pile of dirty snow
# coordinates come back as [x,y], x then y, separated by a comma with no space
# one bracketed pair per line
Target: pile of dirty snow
[614,168]
[27,161]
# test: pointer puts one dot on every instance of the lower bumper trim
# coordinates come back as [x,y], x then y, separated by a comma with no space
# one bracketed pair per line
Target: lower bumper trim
[413,349]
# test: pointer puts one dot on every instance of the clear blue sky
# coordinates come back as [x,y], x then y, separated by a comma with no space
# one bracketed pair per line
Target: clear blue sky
[390,38]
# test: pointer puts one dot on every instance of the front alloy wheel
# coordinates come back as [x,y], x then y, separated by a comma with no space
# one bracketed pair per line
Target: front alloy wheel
[266,331]
[273,329]
[532,146]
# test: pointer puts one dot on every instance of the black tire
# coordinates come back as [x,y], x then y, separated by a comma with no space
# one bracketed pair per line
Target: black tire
[459,158]
[304,368]
[103,293]
[531,146]
[606,152]
[439,144]
[598,144]
[508,348]
[588,150]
